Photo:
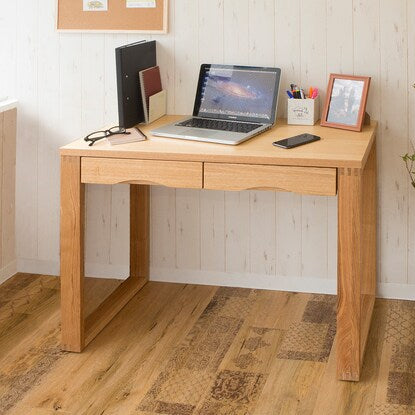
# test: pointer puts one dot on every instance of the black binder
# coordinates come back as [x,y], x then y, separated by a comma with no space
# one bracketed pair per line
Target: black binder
[130,60]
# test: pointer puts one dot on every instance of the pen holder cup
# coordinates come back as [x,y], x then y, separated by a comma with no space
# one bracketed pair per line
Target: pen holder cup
[303,111]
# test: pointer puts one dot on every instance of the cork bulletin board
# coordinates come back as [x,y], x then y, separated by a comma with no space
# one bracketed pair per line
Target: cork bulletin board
[114,16]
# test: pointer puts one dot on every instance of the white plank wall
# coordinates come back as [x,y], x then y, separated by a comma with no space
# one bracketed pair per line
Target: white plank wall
[212,203]
[262,205]
[289,211]
[394,132]
[66,86]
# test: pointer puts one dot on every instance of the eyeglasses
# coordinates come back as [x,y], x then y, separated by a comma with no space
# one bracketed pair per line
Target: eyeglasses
[99,135]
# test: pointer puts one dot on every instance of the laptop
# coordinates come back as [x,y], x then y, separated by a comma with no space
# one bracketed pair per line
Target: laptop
[233,104]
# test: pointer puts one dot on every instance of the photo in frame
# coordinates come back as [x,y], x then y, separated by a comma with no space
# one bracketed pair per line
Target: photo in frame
[346,99]
[95,6]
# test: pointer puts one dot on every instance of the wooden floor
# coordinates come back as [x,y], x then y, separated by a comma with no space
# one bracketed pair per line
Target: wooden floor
[186,349]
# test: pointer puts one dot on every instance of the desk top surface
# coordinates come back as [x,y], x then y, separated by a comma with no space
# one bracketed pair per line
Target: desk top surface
[337,148]
[7,104]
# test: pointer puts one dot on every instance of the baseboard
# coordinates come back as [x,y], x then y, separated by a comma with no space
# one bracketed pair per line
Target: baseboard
[8,271]
[34,266]
[265,282]
[227,279]
[396,291]
[272,282]
[120,272]
[38,266]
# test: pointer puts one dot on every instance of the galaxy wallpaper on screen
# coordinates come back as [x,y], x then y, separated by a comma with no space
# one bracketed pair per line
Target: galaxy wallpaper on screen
[236,92]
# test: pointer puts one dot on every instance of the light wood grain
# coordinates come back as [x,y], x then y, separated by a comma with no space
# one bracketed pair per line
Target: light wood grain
[369,246]
[142,345]
[8,120]
[357,186]
[140,231]
[292,385]
[367,303]
[411,128]
[349,274]
[356,397]
[370,213]
[129,350]
[319,181]
[336,148]
[78,332]
[356,265]
[9,187]
[72,254]
[155,172]
[1,186]
[111,306]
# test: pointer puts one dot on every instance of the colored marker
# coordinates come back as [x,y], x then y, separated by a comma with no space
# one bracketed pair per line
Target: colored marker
[290,95]
[315,93]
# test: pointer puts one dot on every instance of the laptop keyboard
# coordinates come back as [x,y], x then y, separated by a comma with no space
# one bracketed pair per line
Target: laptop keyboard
[237,127]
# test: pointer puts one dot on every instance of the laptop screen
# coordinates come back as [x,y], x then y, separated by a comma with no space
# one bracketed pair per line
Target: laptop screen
[237,93]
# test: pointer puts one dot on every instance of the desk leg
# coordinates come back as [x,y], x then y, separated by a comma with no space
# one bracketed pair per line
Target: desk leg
[72,254]
[79,330]
[356,265]
[139,231]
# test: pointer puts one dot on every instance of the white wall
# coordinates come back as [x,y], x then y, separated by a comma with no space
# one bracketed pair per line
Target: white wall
[66,86]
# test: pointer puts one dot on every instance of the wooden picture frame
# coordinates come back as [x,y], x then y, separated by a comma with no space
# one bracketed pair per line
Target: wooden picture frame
[344,93]
[71,18]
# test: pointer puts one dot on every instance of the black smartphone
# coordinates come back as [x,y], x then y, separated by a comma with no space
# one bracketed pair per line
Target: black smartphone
[296,141]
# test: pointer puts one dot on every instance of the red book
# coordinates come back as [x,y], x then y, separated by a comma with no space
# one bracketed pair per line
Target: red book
[150,82]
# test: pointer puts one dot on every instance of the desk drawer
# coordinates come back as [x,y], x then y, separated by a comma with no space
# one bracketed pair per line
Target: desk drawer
[153,172]
[304,180]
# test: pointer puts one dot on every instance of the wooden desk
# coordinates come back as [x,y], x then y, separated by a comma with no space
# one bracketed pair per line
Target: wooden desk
[342,163]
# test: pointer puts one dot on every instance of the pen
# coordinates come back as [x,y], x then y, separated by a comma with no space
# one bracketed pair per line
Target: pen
[293,91]
[310,94]
[290,95]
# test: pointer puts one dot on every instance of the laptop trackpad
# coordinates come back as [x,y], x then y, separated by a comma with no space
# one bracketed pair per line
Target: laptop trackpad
[198,132]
